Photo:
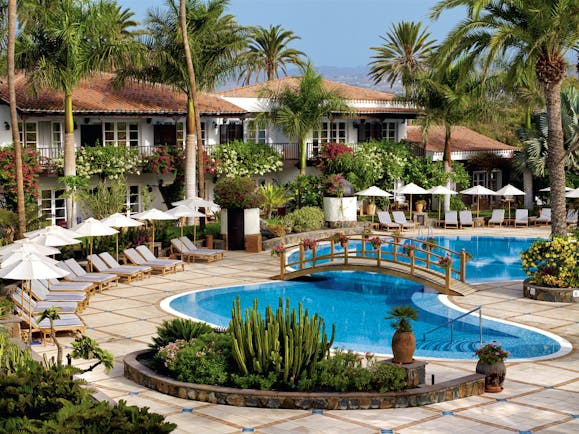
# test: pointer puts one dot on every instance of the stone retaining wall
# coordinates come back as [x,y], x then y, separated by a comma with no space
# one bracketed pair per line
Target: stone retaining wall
[544,293]
[449,390]
[291,239]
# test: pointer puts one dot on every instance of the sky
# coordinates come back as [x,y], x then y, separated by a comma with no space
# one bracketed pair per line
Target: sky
[333,32]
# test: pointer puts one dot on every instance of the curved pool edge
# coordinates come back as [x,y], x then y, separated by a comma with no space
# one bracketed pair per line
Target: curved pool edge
[566,346]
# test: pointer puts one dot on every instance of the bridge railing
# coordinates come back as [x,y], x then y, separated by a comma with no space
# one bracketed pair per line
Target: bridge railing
[411,253]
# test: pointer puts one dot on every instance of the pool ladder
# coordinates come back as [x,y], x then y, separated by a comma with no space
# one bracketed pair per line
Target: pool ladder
[452,321]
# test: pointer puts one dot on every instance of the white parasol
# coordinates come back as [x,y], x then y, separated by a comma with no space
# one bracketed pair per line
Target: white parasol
[182,211]
[548,189]
[374,192]
[53,239]
[92,227]
[198,202]
[54,229]
[28,246]
[441,190]
[119,220]
[152,215]
[509,190]
[411,189]
[478,191]
[573,194]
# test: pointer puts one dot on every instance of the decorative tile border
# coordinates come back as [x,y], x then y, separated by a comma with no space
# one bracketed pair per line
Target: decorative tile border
[446,391]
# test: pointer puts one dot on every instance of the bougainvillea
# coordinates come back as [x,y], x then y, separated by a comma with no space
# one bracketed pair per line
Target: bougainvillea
[237,192]
[163,160]
[329,153]
[30,171]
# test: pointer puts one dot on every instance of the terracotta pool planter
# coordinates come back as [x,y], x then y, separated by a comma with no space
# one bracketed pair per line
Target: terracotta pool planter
[403,346]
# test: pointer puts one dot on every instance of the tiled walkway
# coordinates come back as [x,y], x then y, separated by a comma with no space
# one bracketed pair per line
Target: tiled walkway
[539,397]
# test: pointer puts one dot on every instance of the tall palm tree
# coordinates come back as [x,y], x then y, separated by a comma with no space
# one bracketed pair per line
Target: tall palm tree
[215,40]
[269,52]
[69,41]
[535,34]
[14,120]
[298,110]
[404,54]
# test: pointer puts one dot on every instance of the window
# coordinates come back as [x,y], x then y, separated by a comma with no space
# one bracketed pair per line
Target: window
[180,126]
[28,134]
[479,177]
[53,206]
[255,134]
[56,135]
[389,131]
[330,132]
[203,133]
[121,134]
[133,199]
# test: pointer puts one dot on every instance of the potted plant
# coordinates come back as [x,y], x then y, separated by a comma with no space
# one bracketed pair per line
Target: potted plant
[366,232]
[403,341]
[491,363]
[376,242]
[419,205]
[278,250]
[445,262]
[340,237]
[429,243]
[408,249]
[309,244]
[339,200]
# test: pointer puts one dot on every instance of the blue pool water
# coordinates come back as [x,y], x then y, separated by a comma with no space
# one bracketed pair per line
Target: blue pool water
[493,259]
[357,303]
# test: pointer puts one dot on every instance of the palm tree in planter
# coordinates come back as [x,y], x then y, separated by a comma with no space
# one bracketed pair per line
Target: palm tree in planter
[403,341]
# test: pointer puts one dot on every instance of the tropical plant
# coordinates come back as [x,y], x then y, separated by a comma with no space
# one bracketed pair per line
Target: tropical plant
[492,353]
[537,35]
[178,329]
[66,42]
[273,197]
[108,197]
[268,52]
[245,159]
[401,316]
[299,109]
[287,342]
[404,54]
[237,192]
[87,348]
[163,160]
[553,263]
[52,315]
[12,358]
[306,191]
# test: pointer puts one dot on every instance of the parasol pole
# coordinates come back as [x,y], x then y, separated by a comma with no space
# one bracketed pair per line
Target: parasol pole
[117,234]
[30,316]
[477,205]
[153,237]
[182,223]
[439,201]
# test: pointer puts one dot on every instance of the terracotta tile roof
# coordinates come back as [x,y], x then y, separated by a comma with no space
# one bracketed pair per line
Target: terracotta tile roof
[344,90]
[462,139]
[97,95]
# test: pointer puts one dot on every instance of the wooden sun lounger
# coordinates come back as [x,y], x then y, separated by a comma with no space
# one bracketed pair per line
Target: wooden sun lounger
[103,279]
[112,262]
[101,267]
[42,293]
[179,249]
[69,322]
[193,248]
[146,253]
[22,300]
[134,257]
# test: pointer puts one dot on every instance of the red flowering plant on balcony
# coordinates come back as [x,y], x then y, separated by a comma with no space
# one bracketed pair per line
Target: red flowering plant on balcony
[163,160]
[30,170]
[330,154]
[237,192]
[210,164]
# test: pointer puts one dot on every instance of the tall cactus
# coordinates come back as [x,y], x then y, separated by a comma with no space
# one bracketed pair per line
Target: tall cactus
[287,342]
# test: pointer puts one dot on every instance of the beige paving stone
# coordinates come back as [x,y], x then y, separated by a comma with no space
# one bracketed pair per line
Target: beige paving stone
[571,426]
[386,419]
[536,374]
[452,424]
[552,399]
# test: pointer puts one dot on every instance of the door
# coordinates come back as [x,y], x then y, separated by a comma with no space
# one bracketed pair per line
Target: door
[165,135]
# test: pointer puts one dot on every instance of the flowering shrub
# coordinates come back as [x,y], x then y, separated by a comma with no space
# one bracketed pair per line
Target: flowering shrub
[168,353]
[162,161]
[376,242]
[30,170]
[210,164]
[408,248]
[278,250]
[329,153]
[445,262]
[553,263]
[334,186]
[245,159]
[237,192]
[111,162]
[309,243]
[491,353]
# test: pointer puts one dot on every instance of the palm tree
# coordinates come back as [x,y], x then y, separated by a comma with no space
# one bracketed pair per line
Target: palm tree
[536,34]
[67,42]
[52,314]
[215,40]
[404,54]
[298,110]
[268,53]
[14,120]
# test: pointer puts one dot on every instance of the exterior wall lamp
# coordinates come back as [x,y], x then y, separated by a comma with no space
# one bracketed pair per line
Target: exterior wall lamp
[6,126]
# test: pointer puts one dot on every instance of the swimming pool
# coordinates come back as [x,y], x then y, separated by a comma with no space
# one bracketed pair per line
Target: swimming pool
[357,303]
[493,259]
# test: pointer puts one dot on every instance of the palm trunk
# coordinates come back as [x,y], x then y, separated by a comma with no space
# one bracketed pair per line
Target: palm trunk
[302,156]
[556,158]
[200,166]
[191,141]
[447,162]
[528,187]
[69,157]
[14,120]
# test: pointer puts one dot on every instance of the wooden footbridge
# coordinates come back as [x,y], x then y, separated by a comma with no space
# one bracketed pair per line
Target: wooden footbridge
[421,261]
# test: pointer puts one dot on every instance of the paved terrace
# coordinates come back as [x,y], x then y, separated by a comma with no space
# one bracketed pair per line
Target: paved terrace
[539,397]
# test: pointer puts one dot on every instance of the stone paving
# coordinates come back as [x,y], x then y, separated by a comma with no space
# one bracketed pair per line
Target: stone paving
[539,397]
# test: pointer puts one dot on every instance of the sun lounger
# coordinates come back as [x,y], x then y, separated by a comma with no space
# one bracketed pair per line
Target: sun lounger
[57,285]
[179,249]
[192,247]
[112,262]
[544,218]
[22,299]
[465,218]
[450,219]
[149,256]
[125,273]
[521,218]
[497,218]
[103,279]
[135,257]
[385,221]
[42,293]
[400,218]
[572,217]
[69,322]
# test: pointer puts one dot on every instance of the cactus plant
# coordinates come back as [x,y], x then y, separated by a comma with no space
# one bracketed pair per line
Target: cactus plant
[287,342]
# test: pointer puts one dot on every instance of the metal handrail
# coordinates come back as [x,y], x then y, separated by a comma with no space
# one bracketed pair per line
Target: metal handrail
[451,322]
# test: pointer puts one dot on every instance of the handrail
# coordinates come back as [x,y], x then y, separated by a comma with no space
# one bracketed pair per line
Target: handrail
[452,321]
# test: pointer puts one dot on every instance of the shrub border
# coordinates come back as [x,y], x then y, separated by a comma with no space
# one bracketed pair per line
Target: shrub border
[446,391]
